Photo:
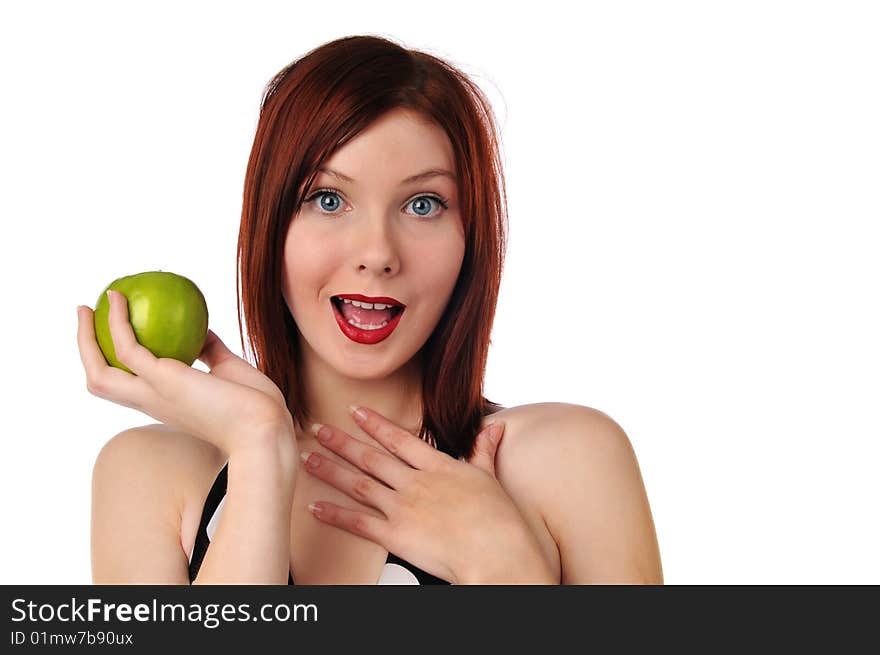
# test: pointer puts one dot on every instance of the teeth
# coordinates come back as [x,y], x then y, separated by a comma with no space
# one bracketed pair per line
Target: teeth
[366,327]
[366,305]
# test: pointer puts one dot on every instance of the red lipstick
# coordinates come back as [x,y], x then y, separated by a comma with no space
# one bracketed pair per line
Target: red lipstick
[361,335]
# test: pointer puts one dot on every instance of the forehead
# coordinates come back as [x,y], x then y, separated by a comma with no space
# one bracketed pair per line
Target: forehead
[399,144]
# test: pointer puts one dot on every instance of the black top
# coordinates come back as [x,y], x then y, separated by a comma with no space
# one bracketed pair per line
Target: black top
[392,573]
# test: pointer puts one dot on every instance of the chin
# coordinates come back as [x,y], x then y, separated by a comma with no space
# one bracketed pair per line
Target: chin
[366,373]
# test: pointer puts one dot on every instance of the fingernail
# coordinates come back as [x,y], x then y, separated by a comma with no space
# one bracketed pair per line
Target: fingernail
[359,414]
[310,461]
[321,431]
[109,296]
[315,508]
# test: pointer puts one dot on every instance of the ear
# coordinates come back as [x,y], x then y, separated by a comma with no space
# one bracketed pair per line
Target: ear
[486,447]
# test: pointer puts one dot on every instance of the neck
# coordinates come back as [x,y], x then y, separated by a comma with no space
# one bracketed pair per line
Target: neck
[328,394]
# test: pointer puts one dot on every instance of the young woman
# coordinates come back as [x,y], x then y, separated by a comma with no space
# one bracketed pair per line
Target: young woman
[371,247]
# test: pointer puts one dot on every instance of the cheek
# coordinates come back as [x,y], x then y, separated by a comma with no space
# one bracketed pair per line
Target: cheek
[453,256]
[440,266]
[303,269]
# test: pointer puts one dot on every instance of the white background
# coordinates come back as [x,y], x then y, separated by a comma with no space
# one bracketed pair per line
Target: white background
[694,203]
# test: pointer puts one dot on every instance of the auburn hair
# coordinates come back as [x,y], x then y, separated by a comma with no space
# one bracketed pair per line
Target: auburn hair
[311,108]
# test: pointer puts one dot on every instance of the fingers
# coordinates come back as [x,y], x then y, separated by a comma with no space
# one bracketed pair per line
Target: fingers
[486,447]
[103,380]
[128,351]
[358,486]
[89,353]
[370,460]
[399,442]
[355,522]
[166,389]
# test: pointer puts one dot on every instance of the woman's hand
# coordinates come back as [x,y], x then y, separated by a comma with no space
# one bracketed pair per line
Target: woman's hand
[231,407]
[448,517]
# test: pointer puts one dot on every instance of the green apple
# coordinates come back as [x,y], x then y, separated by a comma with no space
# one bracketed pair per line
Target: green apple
[167,312]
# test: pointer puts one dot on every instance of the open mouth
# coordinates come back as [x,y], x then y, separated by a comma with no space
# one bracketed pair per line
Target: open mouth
[371,319]
[365,325]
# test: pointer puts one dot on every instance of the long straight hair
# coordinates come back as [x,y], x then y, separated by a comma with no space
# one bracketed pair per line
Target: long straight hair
[311,108]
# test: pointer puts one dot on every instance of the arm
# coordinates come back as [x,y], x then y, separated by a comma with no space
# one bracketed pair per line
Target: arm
[594,503]
[234,408]
[252,541]
[136,514]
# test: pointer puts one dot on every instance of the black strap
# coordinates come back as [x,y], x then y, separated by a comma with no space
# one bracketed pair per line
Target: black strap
[218,491]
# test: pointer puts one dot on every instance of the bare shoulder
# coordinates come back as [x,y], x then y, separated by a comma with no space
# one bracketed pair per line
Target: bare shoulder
[578,469]
[546,430]
[166,456]
[547,445]
[149,478]
[531,432]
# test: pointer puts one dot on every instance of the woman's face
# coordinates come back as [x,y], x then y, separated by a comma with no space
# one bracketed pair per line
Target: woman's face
[376,234]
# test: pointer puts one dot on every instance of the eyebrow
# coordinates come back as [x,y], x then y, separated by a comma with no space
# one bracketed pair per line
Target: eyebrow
[433,172]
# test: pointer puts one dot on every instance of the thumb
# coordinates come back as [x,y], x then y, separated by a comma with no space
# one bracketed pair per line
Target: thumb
[214,352]
[226,365]
[486,447]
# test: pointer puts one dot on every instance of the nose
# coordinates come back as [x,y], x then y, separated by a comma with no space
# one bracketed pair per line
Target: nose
[376,248]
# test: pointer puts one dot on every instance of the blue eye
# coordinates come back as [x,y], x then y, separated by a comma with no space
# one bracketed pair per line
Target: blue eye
[425,203]
[324,195]
[329,202]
